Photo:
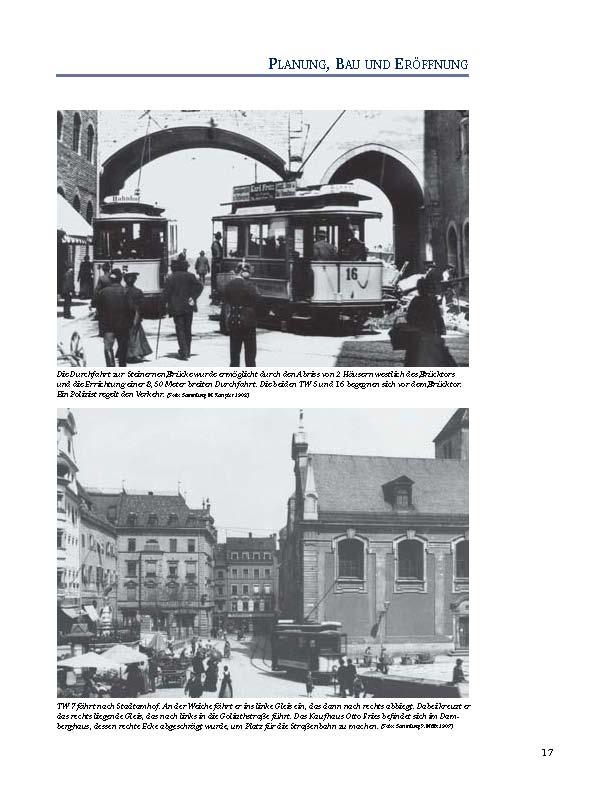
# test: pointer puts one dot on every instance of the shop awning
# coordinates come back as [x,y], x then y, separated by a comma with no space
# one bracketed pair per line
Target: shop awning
[72,613]
[92,612]
[76,227]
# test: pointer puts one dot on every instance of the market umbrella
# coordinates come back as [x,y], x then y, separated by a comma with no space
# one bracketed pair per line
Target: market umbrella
[155,641]
[86,660]
[122,654]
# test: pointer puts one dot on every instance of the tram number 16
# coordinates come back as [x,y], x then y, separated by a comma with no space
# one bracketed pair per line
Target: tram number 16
[352,274]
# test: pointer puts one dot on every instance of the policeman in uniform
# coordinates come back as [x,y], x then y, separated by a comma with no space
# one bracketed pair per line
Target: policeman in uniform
[240,302]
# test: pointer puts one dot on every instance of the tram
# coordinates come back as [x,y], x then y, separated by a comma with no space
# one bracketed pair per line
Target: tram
[135,237]
[306,250]
[314,647]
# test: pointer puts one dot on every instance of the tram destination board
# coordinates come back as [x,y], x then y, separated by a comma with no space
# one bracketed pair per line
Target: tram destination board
[263,191]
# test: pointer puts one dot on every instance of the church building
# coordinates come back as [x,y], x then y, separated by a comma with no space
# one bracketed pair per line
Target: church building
[380,544]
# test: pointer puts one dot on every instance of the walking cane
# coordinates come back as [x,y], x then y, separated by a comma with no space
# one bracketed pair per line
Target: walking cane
[158,333]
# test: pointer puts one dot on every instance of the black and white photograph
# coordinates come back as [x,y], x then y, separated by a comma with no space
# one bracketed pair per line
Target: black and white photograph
[216,238]
[263,553]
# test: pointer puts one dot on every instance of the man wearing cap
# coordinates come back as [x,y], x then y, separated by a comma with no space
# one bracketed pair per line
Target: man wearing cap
[322,251]
[116,311]
[216,264]
[240,302]
[181,292]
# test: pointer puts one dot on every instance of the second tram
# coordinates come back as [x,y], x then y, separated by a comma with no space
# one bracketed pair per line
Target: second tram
[309,647]
[306,251]
[136,238]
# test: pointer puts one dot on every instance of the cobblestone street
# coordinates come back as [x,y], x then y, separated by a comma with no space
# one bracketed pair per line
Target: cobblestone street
[275,348]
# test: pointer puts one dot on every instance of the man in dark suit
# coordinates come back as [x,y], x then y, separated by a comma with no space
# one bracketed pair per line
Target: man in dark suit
[216,265]
[240,304]
[117,311]
[181,292]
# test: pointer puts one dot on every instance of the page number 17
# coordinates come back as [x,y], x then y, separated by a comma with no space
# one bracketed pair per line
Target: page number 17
[547,751]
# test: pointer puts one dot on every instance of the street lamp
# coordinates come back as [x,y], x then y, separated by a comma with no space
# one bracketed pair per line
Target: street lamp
[383,623]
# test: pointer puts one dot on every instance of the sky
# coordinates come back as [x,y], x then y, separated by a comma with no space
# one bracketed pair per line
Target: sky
[191,185]
[238,458]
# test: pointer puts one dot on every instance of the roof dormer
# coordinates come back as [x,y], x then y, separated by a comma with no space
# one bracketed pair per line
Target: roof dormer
[398,493]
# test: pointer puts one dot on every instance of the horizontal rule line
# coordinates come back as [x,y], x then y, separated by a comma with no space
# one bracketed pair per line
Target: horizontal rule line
[265,74]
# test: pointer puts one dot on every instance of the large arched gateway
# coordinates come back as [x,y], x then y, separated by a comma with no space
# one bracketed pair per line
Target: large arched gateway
[127,160]
[403,184]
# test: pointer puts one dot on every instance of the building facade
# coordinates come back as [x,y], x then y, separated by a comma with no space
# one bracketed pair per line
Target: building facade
[86,544]
[67,517]
[381,545]
[446,188]
[245,584]
[77,160]
[165,556]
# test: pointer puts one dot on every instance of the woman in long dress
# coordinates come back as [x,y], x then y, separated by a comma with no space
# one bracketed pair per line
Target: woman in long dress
[138,346]
[424,316]
[225,690]
[211,676]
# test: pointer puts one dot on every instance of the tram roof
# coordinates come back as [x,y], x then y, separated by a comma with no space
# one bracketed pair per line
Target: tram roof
[271,212]
[129,217]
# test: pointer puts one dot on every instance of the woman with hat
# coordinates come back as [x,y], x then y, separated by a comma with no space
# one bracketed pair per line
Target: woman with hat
[138,346]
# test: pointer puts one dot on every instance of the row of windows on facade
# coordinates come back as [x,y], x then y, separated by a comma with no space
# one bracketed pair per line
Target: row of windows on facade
[65,538]
[256,589]
[250,606]
[191,546]
[132,520]
[151,568]
[68,578]
[410,559]
[250,555]
[75,142]
[257,573]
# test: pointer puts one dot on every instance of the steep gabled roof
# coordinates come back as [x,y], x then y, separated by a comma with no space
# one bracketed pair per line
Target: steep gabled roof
[354,483]
[460,418]
[143,505]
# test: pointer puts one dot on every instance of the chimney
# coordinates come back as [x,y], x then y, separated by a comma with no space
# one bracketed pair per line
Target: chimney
[249,535]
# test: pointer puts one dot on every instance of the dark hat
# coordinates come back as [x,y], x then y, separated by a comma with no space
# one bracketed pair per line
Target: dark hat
[130,273]
[217,234]
[321,233]
[116,274]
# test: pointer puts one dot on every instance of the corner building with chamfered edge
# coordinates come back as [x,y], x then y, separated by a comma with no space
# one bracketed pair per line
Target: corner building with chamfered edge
[381,545]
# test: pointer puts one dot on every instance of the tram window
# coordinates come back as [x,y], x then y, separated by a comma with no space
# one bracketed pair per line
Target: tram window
[254,240]
[299,241]
[234,242]
[276,240]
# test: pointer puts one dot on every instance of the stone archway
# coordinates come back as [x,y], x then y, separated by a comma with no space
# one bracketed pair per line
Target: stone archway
[403,184]
[127,160]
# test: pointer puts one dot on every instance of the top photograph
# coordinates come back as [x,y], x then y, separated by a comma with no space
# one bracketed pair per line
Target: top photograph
[302,238]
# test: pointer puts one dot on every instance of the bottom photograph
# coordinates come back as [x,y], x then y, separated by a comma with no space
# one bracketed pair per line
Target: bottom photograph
[248,553]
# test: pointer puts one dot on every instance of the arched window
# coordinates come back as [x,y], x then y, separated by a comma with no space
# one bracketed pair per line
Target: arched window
[76,203]
[350,558]
[60,123]
[462,560]
[452,247]
[410,560]
[76,132]
[89,212]
[466,246]
[90,142]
